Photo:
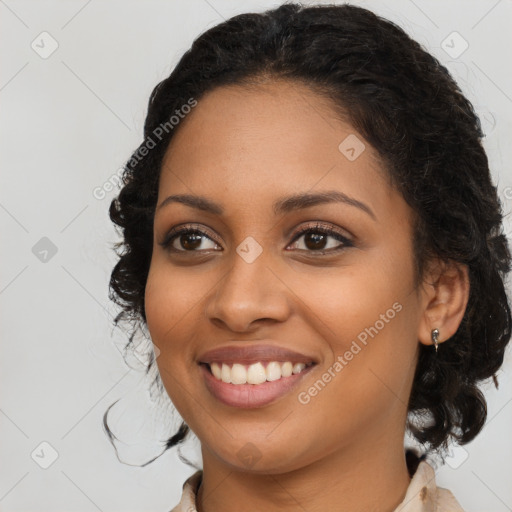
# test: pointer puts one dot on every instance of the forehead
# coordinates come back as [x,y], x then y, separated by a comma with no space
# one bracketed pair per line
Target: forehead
[249,145]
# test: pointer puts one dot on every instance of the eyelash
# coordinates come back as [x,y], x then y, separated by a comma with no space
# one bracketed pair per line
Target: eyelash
[317,228]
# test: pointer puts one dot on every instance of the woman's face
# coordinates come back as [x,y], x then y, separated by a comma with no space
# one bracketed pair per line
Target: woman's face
[345,304]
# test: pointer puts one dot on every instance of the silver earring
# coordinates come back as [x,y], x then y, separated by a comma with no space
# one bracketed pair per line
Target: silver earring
[435,336]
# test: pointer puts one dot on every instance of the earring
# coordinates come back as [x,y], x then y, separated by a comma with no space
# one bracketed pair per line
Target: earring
[435,336]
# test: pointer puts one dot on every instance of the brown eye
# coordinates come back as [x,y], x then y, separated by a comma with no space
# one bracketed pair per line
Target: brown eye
[316,239]
[188,240]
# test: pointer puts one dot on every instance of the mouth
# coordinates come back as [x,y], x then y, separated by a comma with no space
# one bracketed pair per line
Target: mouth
[253,376]
[256,373]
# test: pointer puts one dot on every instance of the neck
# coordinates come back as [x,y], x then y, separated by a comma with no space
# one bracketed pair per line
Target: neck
[360,477]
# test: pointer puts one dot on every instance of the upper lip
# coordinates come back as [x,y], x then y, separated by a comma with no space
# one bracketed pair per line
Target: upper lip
[249,354]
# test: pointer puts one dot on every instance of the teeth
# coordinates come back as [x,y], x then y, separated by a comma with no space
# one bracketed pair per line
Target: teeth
[287,369]
[255,373]
[225,374]
[238,374]
[215,368]
[298,367]
[273,371]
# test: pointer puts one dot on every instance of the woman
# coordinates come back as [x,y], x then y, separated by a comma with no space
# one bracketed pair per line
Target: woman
[313,240]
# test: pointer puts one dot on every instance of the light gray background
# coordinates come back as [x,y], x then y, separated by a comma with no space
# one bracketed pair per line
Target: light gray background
[68,123]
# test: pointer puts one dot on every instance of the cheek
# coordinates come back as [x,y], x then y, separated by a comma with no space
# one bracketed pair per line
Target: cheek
[349,300]
[366,381]
[171,302]
[169,305]
[170,298]
[368,314]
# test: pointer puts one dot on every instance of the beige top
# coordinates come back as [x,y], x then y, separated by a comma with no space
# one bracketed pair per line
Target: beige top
[422,495]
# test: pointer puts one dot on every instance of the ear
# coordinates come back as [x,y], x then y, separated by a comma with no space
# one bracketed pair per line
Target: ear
[445,294]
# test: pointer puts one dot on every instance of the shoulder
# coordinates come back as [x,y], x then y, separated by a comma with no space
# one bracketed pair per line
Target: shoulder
[188,496]
[446,501]
[423,495]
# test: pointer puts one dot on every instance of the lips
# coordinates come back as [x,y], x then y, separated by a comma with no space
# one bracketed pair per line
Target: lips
[251,354]
[232,391]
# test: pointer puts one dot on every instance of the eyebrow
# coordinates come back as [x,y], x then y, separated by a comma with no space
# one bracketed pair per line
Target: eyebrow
[281,206]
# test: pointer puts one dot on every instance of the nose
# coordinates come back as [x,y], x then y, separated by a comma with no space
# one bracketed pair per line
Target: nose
[249,294]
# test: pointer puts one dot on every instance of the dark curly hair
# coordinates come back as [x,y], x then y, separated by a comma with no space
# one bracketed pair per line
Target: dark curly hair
[409,108]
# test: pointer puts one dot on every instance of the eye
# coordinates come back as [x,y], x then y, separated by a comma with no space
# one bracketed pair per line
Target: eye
[187,239]
[316,239]
[192,239]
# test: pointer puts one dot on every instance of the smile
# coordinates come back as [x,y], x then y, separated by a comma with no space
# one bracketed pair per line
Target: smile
[249,396]
[253,375]
[256,373]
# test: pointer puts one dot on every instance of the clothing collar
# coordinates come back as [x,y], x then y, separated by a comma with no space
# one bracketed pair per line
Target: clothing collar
[422,495]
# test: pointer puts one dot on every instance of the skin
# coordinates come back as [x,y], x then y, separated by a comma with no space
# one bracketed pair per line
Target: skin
[244,149]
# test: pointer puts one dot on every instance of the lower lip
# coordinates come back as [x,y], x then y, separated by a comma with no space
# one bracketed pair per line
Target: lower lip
[250,396]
